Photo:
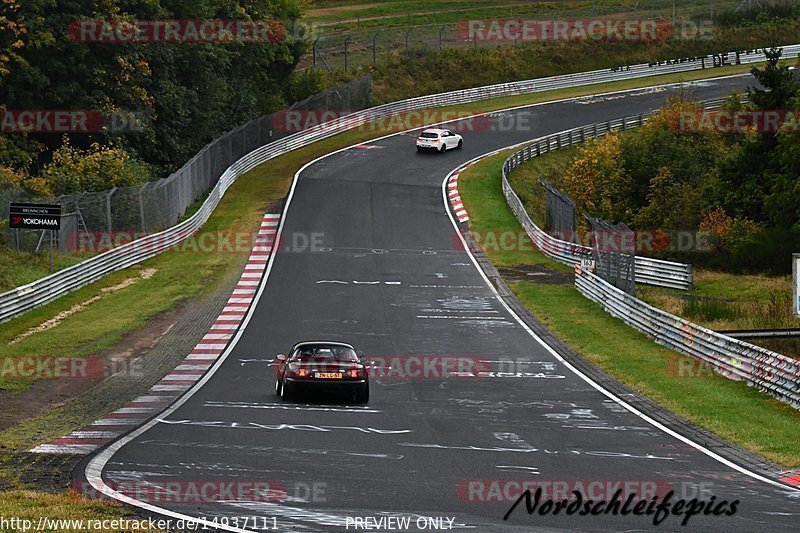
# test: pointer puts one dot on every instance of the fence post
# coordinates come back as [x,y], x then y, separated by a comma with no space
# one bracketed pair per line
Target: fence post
[441,37]
[142,220]
[108,208]
[408,32]
[375,48]
[346,44]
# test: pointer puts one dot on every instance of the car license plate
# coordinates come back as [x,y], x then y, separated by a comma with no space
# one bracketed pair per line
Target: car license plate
[329,375]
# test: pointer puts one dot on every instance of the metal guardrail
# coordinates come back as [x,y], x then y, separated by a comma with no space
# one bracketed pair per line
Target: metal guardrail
[766,334]
[42,291]
[648,270]
[771,372]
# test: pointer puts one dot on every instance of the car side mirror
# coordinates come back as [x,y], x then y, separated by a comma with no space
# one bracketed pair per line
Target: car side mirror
[281,357]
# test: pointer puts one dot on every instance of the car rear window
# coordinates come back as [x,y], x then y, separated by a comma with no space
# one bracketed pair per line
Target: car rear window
[430,135]
[325,351]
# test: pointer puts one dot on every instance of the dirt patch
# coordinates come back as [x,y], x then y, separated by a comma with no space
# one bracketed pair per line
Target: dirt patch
[47,394]
[77,308]
[536,274]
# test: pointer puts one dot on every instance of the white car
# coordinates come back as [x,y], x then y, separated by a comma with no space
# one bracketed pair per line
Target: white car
[439,140]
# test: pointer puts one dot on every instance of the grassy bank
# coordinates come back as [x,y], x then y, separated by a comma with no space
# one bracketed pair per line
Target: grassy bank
[399,75]
[736,412]
[402,13]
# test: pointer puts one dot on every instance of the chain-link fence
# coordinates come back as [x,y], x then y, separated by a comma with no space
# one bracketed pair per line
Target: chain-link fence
[338,47]
[561,213]
[614,253]
[105,218]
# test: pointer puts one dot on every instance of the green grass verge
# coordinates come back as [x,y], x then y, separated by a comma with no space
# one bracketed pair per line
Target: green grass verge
[736,412]
[30,506]
[385,14]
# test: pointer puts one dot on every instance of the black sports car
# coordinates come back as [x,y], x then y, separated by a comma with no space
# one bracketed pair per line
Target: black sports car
[325,367]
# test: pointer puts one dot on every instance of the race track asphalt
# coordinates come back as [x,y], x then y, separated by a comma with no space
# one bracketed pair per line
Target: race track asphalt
[373,259]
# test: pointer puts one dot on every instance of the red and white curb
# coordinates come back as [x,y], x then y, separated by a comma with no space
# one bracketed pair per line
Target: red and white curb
[455,198]
[200,359]
[793,480]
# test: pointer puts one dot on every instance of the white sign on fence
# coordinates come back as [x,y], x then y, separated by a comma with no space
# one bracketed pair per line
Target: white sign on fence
[796,284]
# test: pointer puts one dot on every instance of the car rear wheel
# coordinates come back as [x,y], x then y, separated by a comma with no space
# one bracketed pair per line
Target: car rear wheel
[362,396]
[460,144]
[419,148]
[286,392]
[444,147]
[278,387]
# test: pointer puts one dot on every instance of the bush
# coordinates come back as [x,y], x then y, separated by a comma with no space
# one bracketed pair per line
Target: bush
[597,181]
[99,168]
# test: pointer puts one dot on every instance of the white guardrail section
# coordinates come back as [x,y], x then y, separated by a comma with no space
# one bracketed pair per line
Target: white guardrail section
[45,290]
[771,372]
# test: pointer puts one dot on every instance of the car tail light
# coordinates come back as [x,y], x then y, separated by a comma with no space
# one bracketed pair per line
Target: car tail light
[355,373]
[297,372]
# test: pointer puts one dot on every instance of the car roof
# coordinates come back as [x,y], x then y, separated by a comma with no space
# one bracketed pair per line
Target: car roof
[334,343]
[434,130]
